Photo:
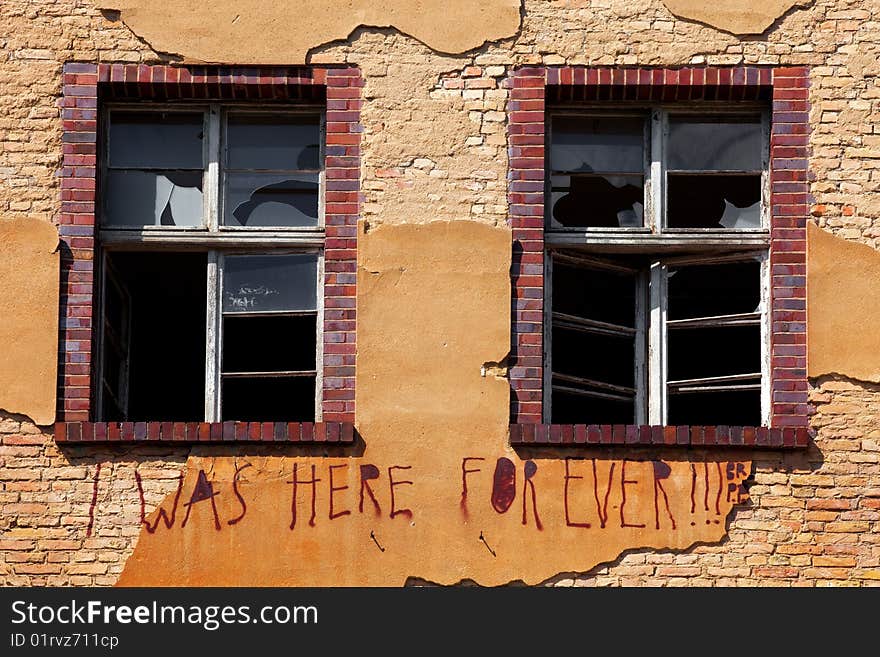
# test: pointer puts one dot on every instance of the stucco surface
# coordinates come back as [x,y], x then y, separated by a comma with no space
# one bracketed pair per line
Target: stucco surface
[432,309]
[843,304]
[735,16]
[29,283]
[256,32]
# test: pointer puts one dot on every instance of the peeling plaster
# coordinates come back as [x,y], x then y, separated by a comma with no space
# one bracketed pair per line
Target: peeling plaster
[256,32]
[843,304]
[433,307]
[742,17]
[29,288]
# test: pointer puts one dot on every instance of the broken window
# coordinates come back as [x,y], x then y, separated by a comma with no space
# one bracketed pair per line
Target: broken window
[714,169]
[155,169]
[268,335]
[597,166]
[205,315]
[666,324]
[271,172]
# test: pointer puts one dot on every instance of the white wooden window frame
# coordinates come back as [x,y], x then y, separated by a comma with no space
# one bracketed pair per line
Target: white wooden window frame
[214,239]
[662,247]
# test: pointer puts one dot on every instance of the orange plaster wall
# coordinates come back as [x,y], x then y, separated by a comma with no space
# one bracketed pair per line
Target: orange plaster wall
[735,16]
[29,288]
[843,304]
[257,32]
[433,307]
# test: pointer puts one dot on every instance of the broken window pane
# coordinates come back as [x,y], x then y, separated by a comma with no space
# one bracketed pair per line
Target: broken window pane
[152,198]
[715,351]
[713,201]
[598,294]
[714,144]
[268,283]
[598,201]
[713,290]
[598,144]
[731,407]
[282,200]
[281,399]
[156,140]
[166,377]
[273,142]
[268,344]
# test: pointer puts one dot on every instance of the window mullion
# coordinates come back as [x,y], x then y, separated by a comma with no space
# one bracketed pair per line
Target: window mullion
[766,332]
[657,353]
[212,183]
[213,337]
[658,191]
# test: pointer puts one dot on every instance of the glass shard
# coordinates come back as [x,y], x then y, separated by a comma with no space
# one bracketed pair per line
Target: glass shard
[152,198]
[713,201]
[281,200]
[598,201]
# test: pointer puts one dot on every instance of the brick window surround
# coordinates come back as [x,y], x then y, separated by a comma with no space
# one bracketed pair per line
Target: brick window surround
[787,88]
[84,87]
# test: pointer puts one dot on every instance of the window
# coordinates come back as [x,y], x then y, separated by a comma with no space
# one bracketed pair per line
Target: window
[657,265]
[211,263]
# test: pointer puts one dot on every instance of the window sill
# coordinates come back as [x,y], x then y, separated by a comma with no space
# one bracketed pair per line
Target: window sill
[680,436]
[205,432]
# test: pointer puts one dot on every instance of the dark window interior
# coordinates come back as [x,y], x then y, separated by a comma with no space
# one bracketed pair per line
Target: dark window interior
[166,379]
[713,201]
[593,376]
[732,407]
[280,399]
[712,290]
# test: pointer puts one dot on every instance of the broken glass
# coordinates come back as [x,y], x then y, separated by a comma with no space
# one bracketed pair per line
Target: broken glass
[153,198]
[156,140]
[270,283]
[273,142]
[598,201]
[713,201]
[714,144]
[260,199]
[597,144]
